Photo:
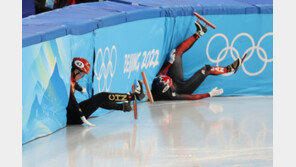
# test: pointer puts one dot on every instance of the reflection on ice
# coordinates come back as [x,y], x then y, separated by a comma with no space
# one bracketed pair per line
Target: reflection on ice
[222,131]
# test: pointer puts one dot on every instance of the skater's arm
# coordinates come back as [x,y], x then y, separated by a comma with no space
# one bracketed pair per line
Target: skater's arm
[190,97]
[212,93]
[78,87]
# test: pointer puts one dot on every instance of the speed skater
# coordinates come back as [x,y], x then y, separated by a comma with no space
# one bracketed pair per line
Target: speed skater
[169,83]
[78,113]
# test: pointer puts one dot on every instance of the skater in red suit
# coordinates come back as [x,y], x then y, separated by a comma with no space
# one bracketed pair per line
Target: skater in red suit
[77,113]
[169,83]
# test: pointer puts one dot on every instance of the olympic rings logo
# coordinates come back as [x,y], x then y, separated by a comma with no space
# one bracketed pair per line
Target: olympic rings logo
[233,50]
[107,67]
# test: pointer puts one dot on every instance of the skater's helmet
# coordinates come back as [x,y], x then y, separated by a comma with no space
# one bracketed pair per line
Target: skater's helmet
[81,64]
[161,83]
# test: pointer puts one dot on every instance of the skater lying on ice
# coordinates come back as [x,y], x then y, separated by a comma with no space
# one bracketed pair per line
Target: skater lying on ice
[77,113]
[169,83]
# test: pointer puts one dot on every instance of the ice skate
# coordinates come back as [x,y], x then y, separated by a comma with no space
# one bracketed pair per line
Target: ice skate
[204,20]
[235,66]
[200,29]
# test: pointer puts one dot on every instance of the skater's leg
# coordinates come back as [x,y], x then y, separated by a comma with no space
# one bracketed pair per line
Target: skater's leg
[219,70]
[174,65]
[176,69]
[230,68]
[72,116]
[190,85]
[104,100]
[187,44]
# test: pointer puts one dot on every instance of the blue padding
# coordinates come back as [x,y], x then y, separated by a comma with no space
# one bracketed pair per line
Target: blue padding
[87,17]
[33,34]
[264,6]
[204,7]
[215,7]
[212,6]
[148,13]
[158,3]
[257,2]
[80,19]
[132,12]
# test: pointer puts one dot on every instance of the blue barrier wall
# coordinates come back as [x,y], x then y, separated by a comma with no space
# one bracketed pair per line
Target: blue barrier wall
[45,87]
[121,39]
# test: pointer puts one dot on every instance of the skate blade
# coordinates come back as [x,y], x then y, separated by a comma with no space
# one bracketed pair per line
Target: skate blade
[147,87]
[135,104]
[204,20]
[244,56]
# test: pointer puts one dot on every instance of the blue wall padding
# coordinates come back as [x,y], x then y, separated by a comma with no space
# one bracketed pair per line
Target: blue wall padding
[83,18]
[264,6]
[205,7]
[257,2]
[45,87]
[36,33]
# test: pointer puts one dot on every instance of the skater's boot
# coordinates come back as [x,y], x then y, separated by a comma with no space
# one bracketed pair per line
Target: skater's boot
[200,29]
[235,65]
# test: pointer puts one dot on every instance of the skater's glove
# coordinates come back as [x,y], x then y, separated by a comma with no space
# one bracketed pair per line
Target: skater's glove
[215,92]
[172,56]
[126,106]
[139,91]
[84,120]
[83,90]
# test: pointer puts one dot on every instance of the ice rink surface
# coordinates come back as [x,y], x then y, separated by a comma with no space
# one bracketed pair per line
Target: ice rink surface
[214,132]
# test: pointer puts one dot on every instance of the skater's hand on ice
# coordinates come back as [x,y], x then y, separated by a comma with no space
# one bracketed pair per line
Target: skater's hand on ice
[83,90]
[84,120]
[215,92]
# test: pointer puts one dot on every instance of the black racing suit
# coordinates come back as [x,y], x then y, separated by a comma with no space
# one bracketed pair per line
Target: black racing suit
[85,108]
[179,89]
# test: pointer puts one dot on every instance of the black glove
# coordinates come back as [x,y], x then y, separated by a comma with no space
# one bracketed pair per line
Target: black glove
[126,107]
[139,91]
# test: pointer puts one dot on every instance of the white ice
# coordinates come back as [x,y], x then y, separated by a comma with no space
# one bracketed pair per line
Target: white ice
[213,132]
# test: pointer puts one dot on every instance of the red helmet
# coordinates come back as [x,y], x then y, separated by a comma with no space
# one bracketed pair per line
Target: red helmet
[81,64]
